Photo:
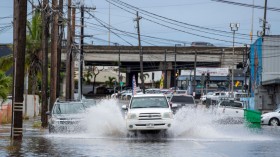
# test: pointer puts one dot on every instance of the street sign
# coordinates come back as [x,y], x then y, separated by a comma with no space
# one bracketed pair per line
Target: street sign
[121,83]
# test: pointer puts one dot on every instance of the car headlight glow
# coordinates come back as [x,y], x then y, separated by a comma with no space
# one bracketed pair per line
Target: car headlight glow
[131,116]
[167,115]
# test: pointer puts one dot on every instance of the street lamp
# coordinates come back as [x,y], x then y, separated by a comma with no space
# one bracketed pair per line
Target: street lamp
[234,27]
[175,67]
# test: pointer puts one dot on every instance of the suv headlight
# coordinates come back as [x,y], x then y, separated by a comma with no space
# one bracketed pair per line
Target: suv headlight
[167,115]
[131,116]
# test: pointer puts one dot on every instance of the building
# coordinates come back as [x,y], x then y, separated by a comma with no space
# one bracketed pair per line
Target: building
[265,73]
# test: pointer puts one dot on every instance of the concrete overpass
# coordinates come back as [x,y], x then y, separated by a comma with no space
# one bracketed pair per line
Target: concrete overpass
[154,58]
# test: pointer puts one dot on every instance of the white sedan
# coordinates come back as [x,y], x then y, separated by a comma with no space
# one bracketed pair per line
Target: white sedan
[271,118]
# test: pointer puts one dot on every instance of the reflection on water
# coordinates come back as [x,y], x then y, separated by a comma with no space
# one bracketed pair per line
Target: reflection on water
[194,133]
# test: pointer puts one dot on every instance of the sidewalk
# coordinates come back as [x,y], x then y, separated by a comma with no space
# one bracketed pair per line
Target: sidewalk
[27,125]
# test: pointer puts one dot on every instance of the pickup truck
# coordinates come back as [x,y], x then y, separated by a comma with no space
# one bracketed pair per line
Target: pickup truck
[148,112]
[231,111]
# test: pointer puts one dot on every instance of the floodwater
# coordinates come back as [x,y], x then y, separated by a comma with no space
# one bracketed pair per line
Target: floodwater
[194,133]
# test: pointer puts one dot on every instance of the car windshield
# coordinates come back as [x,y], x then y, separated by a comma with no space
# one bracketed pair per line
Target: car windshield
[68,108]
[149,102]
[231,104]
[182,99]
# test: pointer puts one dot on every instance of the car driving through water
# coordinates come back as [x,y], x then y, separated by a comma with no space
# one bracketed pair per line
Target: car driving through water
[66,116]
[148,112]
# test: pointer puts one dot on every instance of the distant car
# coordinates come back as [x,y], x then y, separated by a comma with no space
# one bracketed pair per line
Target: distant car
[66,116]
[202,44]
[203,97]
[182,92]
[182,100]
[148,112]
[231,111]
[271,118]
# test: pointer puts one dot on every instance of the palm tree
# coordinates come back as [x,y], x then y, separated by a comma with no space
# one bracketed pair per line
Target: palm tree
[33,49]
[111,81]
[145,76]
[6,62]
[88,76]
[5,85]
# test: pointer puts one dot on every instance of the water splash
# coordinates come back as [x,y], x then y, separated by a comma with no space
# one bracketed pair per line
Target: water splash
[105,119]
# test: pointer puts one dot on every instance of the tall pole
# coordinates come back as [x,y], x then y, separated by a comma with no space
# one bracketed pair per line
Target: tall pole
[194,80]
[264,17]
[20,15]
[54,41]
[81,53]
[73,53]
[69,54]
[175,67]
[140,52]
[45,37]
[234,27]
[119,64]
[165,70]
[59,46]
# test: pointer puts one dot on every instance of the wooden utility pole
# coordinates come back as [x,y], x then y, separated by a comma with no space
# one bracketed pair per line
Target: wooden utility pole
[73,53]
[20,15]
[69,54]
[140,52]
[59,45]
[81,53]
[45,37]
[54,42]
[264,17]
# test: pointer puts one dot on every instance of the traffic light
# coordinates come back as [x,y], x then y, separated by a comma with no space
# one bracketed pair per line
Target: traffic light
[203,79]
[228,78]
[176,74]
[208,77]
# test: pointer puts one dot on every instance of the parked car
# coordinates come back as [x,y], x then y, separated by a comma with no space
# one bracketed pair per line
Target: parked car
[271,118]
[148,112]
[66,116]
[182,100]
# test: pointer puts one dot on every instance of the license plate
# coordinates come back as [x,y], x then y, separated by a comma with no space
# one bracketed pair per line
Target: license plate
[150,125]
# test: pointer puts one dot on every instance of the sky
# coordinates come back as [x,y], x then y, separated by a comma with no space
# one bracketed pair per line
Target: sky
[164,22]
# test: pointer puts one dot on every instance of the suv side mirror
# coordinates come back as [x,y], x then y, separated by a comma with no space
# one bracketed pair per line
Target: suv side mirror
[124,107]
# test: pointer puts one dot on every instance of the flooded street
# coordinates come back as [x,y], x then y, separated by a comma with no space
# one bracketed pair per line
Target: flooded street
[194,133]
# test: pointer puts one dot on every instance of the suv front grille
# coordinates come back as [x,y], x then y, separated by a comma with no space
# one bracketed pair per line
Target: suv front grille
[150,116]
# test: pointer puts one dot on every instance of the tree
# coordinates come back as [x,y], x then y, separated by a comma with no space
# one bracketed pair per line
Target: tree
[110,82]
[33,55]
[5,85]
[6,62]
[88,76]
[96,71]
[145,76]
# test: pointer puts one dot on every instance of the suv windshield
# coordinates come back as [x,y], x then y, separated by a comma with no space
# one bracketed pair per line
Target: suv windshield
[182,99]
[149,102]
[68,108]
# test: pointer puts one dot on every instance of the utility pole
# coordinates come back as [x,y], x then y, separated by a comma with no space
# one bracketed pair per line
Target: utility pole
[59,46]
[165,70]
[69,54]
[264,17]
[20,15]
[45,37]
[81,53]
[73,53]
[140,51]
[54,41]
[175,66]
[234,27]
[194,79]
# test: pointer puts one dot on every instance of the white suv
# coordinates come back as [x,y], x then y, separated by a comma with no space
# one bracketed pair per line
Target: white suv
[148,112]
